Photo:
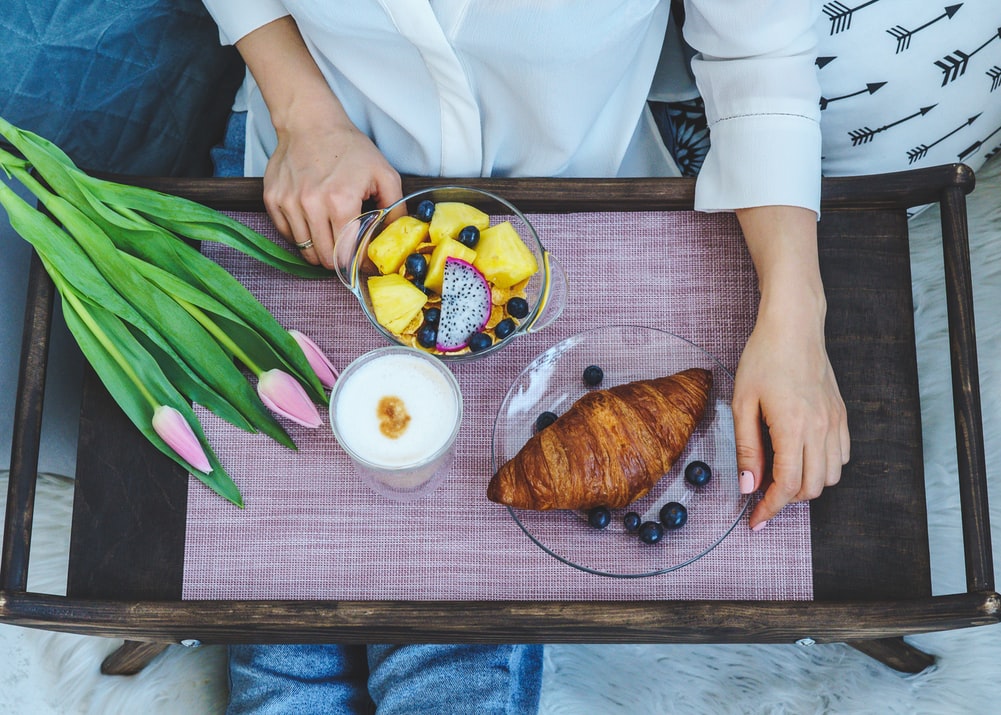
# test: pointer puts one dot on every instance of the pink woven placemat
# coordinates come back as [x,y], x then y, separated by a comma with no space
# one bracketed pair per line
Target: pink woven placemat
[310,530]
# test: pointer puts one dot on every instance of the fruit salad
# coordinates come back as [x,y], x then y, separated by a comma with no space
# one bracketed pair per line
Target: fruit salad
[450,281]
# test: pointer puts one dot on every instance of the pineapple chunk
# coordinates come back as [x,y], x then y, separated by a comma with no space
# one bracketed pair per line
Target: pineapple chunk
[398,240]
[395,301]
[448,248]
[450,217]
[502,257]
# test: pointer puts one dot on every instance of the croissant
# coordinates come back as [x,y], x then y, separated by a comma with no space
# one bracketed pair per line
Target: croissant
[609,448]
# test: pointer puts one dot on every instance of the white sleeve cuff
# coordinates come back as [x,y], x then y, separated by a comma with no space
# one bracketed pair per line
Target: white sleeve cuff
[238,18]
[761,160]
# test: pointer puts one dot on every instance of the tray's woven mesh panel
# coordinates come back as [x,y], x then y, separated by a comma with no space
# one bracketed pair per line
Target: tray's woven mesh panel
[311,530]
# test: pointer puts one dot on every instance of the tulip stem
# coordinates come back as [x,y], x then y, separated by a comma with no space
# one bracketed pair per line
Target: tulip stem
[219,334]
[19,169]
[66,291]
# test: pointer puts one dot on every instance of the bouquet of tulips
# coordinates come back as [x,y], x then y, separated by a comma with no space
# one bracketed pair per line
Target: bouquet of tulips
[162,325]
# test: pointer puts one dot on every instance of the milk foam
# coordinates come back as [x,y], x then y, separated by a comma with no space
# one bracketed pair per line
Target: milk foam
[427,395]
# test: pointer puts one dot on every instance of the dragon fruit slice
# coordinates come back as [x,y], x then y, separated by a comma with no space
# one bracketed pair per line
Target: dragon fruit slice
[465,305]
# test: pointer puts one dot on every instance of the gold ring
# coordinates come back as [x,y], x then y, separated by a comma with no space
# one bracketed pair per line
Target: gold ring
[304,245]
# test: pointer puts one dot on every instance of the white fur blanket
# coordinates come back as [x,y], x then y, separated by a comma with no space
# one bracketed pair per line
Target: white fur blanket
[56,673]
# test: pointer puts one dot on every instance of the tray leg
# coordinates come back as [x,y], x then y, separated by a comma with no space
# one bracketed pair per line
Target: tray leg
[895,653]
[131,657]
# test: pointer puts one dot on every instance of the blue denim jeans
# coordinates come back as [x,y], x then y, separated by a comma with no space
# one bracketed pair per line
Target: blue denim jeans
[385,679]
[227,158]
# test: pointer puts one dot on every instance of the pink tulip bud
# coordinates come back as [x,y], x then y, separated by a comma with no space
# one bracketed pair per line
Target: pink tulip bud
[284,395]
[323,368]
[177,433]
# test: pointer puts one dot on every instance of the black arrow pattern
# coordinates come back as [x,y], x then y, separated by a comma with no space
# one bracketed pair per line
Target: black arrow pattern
[866,135]
[921,150]
[903,35]
[954,66]
[947,134]
[871,88]
[972,149]
[840,14]
[995,74]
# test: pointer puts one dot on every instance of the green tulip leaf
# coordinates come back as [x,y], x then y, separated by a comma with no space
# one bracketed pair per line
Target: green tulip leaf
[159,322]
[189,339]
[136,407]
[191,219]
[251,341]
[66,257]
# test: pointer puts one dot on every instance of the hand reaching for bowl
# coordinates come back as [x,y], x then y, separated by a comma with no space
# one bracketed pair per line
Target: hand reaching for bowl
[316,181]
[323,167]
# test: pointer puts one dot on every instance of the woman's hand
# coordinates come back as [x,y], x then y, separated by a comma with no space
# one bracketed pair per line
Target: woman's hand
[784,378]
[323,167]
[317,179]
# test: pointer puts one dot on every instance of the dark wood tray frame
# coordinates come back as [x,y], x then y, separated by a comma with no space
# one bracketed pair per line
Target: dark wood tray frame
[128,526]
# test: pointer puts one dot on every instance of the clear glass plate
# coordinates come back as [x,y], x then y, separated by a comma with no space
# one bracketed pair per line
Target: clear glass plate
[553,382]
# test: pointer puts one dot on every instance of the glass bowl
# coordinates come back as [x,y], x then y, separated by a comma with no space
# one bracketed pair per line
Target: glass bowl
[545,291]
[553,382]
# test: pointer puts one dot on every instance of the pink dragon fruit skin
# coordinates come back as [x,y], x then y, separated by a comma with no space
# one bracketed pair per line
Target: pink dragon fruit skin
[465,305]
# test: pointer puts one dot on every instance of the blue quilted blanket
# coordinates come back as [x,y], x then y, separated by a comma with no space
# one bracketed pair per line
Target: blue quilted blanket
[131,86]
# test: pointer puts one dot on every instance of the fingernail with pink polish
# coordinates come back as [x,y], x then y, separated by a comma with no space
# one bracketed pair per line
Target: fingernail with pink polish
[746,481]
[759,526]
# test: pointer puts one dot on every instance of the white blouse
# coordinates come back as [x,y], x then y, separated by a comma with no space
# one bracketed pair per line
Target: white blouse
[559,87]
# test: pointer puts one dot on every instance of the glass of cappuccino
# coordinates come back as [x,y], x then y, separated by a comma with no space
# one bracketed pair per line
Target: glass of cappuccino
[396,412]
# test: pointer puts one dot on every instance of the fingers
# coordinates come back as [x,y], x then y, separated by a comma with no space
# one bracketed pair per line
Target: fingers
[310,218]
[388,191]
[799,473]
[842,442]
[803,465]
[750,444]
[315,184]
[815,469]
[300,233]
[340,228]
[319,212]
[288,219]
[834,459]
[785,482]
[845,441]
[272,204]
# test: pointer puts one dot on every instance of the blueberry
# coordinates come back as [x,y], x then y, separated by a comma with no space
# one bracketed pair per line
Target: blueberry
[599,517]
[673,515]
[631,521]
[504,328]
[469,236]
[651,532]
[698,473]
[593,375]
[480,342]
[425,210]
[544,420]
[427,335]
[432,315]
[422,287]
[517,307]
[417,266]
